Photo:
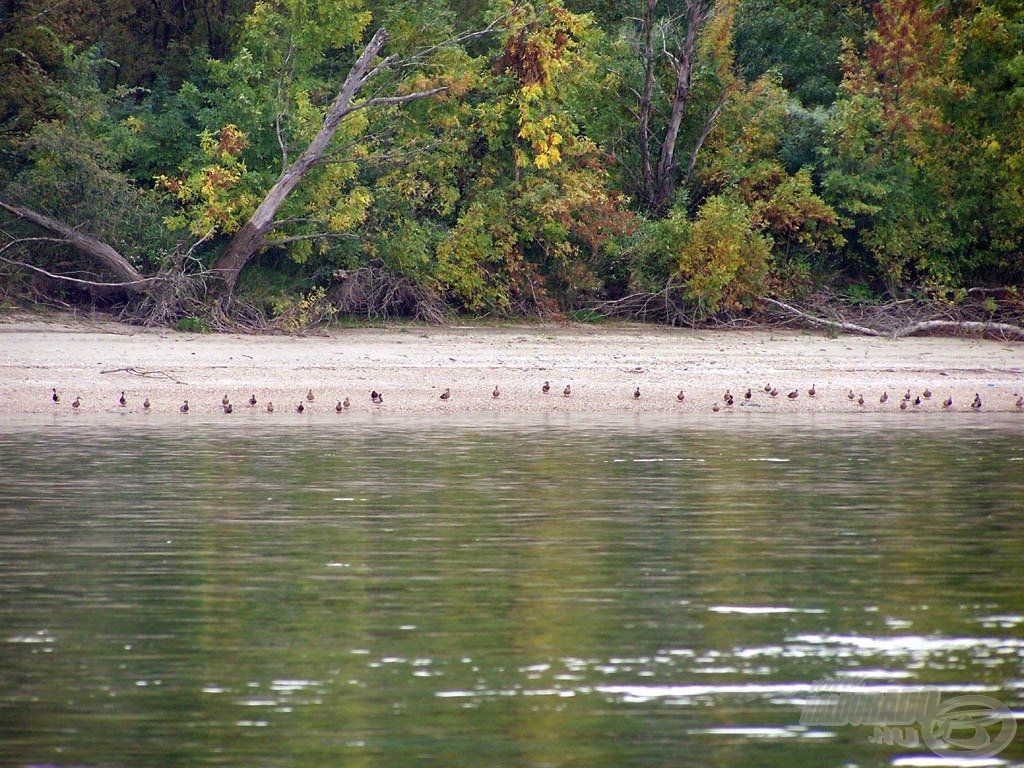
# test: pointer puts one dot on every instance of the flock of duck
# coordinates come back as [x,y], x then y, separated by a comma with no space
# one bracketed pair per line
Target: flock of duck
[908,401]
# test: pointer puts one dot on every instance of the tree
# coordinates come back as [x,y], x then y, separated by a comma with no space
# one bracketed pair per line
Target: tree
[674,74]
[291,121]
[252,237]
[888,163]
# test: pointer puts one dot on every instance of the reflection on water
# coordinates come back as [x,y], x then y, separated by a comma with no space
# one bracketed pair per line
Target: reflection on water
[519,593]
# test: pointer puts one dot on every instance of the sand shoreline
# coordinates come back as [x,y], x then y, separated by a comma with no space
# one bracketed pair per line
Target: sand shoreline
[412,364]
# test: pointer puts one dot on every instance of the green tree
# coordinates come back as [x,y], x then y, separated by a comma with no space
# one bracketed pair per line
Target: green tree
[888,165]
[987,143]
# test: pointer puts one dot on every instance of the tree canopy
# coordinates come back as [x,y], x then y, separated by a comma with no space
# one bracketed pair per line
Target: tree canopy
[285,161]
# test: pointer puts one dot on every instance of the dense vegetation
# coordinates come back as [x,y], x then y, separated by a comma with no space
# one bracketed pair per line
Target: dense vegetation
[283,161]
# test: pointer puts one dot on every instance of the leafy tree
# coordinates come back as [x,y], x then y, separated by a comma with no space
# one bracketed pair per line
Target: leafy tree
[800,41]
[536,216]
[672,72]
[745,163]
[986,153]
[888,167]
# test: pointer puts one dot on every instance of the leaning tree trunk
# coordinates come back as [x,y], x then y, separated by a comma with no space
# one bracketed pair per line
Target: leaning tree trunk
[110,258]
[253,234]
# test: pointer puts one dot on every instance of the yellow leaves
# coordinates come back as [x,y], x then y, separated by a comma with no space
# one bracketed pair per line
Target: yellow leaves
[725,259]
[134,125]
[350,211]
[209,197]
[545,141]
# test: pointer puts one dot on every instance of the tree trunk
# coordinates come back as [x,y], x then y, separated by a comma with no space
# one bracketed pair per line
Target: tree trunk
[682,63]
[252,236]
[111,259]
[646,106]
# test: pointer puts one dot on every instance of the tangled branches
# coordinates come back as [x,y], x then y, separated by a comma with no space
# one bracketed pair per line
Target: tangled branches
[981,312]
[378,294]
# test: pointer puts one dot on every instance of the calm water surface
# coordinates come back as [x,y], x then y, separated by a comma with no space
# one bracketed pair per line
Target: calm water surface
[523,592]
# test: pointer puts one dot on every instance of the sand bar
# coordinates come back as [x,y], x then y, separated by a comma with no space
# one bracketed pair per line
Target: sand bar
[97,359]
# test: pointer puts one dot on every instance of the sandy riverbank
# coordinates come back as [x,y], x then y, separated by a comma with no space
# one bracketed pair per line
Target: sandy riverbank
[411,365]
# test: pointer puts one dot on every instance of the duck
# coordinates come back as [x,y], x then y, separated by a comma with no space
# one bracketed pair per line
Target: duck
[270,407]
[300,407]
[948,402]
[252,400]
[76,403]
[55,397]
[768,387]
[225,400]
[727,396]
[496,393]
[927,393]
[860,400]
[976,405]
[903,405]
[774,392]
[714,407]
[917,401]
[310,396]
[567,391]
[884,398]
[681,396]
[339,407]
[376,397]
[446,395]
[636,393]
[850,395]
[907,395]
[346,403]
[812,392]
[793,395]
[546,388]
[730,401]
[748,394]
[184,407]
[122,399]
[146,404]
[1020,402]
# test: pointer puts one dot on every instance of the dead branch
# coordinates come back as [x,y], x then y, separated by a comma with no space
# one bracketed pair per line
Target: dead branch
[144,373]
[77,280]
[90,246]
[998,330]
[820,322]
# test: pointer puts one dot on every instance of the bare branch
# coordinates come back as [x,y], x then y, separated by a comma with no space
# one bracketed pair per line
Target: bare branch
[78,281]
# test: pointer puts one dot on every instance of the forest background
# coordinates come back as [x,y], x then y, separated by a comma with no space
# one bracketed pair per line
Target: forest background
[278,163]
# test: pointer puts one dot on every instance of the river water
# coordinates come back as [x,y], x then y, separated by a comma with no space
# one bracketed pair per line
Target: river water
[512,592]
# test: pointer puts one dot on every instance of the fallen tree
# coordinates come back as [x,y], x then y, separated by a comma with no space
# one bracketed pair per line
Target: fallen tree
[950,327]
